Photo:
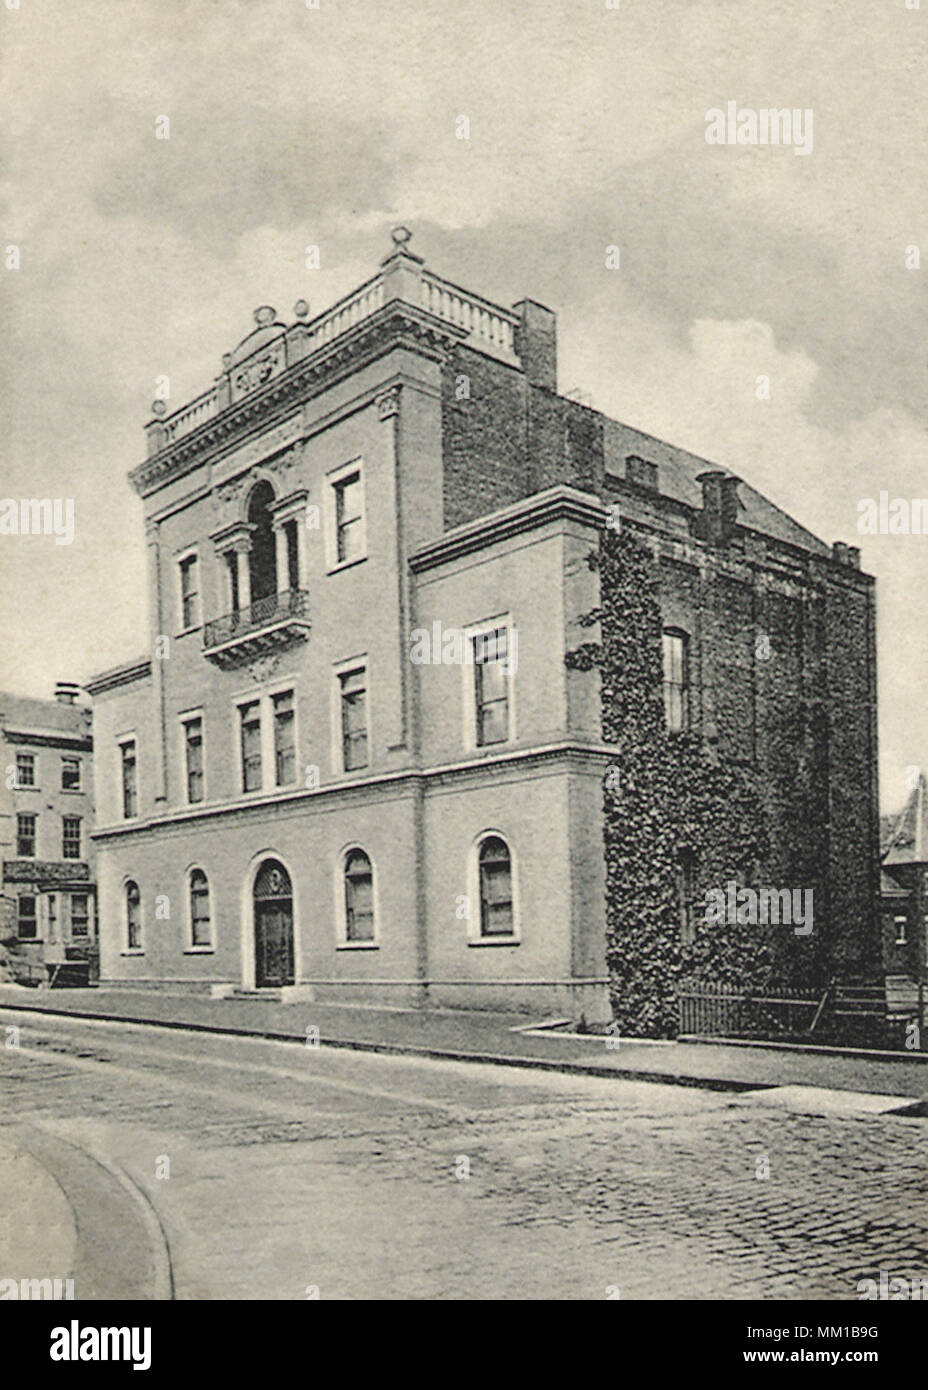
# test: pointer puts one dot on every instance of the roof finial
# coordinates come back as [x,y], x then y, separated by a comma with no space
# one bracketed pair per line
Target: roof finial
[401,235]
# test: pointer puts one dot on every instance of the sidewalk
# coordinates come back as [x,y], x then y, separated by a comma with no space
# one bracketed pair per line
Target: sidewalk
[490,1037]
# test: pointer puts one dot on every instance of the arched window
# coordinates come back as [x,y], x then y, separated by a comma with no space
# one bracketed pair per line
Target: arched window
[200,924]
[494,864]
[262,561]
[359,896]
[133,916]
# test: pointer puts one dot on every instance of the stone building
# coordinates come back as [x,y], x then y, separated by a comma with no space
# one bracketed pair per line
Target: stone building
[366,752]
[48,902]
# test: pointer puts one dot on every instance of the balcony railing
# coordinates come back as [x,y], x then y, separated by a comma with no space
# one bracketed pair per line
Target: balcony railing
[489,326]
[264,624]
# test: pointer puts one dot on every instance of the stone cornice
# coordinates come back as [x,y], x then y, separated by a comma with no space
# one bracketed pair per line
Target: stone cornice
[592,756]
[554,504]
[395,324]
[119,675]
[75,743]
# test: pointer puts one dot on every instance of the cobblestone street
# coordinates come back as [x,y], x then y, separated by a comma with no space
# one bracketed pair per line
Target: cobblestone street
[278,1164]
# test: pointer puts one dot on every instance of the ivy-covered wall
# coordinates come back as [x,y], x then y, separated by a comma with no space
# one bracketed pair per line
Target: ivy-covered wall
[758,821]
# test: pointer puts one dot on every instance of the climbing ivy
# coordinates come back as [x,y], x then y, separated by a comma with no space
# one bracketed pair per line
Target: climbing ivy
[665,794]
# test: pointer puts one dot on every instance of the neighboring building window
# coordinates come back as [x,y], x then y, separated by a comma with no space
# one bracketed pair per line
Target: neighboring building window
[284,738]
[25,769]
[70,837]
[52,917]
[250,722]
[353,690]
[359,897]
[133,917]
[901,922]
[130,785]
[189,593]
[676,680]
[25,834]
[200,926]
[349,518]
[80,917]
[495,870]
[193,754]
[70,774]
[26,921]
[491,685]
[686,897]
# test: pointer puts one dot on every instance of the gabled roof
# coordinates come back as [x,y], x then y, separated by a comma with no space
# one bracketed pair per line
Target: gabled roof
[23,713]
[678,472]
[908,842]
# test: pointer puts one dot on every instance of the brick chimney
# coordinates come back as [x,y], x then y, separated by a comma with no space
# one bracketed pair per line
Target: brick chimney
[536,343]
[719,506]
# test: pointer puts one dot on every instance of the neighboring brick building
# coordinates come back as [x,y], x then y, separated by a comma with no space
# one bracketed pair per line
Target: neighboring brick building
[289,794]
[904,896]
[48,904]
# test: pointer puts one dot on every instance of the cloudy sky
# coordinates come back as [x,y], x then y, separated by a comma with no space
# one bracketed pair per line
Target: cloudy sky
[292,125]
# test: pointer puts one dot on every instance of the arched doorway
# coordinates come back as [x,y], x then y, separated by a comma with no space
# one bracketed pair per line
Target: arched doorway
[262,562]
[273,905]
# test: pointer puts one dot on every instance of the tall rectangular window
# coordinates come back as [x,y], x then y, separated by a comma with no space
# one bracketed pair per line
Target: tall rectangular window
[293,554]
[284,738]
[70,774]
[686,896]
[491,685]
[349,518]
[70,837]
[25,769]
[26,920]
[232,567]
[52,917]
[676,680]
[193,754]
[189,593]
[354,718]
[80,917]
[25,834]
[250,729]
[130,783]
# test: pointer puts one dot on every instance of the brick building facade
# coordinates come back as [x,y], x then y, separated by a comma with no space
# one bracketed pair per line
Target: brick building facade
[48,902]
[376,746]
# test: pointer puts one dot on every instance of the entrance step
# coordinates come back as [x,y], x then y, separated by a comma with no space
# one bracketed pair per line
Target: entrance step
[270,994]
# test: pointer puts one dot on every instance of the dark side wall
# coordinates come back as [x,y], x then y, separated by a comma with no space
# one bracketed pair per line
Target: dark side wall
[775,784]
